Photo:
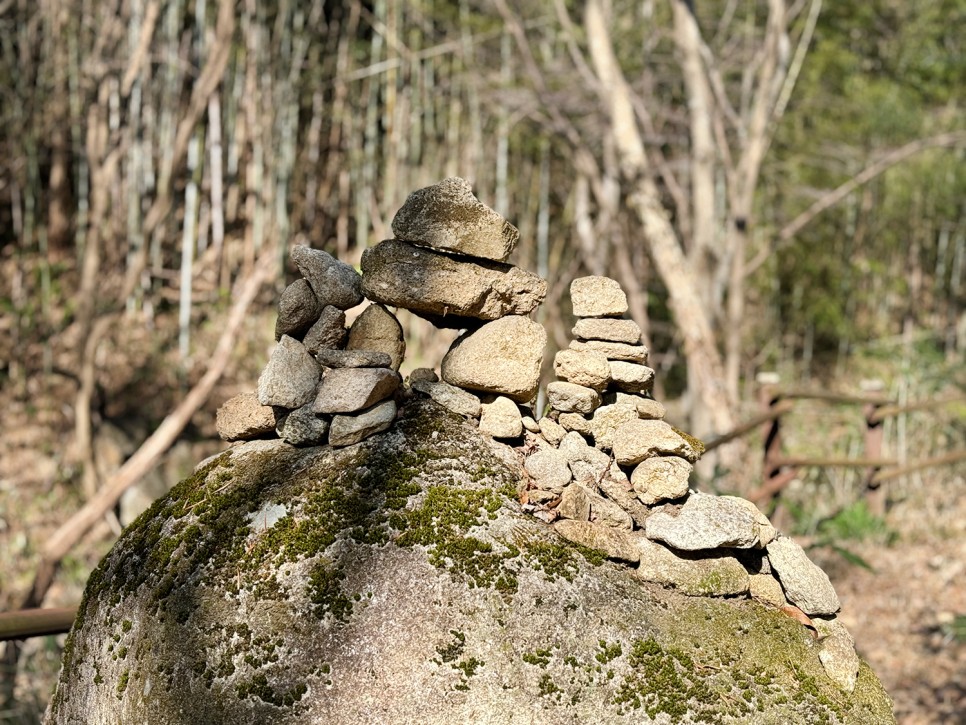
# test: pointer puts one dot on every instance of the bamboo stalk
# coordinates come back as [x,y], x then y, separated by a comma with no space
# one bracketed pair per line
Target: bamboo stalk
[26,623]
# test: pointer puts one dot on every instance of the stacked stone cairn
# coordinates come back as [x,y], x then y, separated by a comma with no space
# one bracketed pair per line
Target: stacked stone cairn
[603,467]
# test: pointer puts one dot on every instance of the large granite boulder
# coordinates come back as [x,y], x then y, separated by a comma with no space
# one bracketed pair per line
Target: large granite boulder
[450,291]
[398,581]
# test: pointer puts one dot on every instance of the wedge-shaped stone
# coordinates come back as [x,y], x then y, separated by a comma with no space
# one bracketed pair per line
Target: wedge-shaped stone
[353,359]
[574,503]
[328,333]
[597,297]
[452,291]
[333,282]
[590,328]
[450,397]
[613,350]
[291,376]
[448,216]
[298,310]
[637,439]
[349,429]
[551,430]
[501,419]
[837,655]
[501,357]
[705,522]
[243,418]
[572,398]
[613,543]
[805,584]
[347,390]
[700,575]
[378,330]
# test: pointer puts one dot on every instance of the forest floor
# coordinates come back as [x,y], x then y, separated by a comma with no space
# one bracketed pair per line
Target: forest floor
[902,610]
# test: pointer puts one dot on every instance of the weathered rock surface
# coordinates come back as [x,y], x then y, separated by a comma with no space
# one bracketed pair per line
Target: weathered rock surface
[397,581]
[838,654]
[290,377]
[298,309]
[378,330]
[631,377]
[333,282]
[636,440]
[647,408]
[586,462]
[607,420]
[706,522]
[452,290]
[613,543]
[587,368]
[597,297]
[242,418]
[661,478]
[613,350]
[626,331]
[347,390]
[501,419]
[448,216]
[501,357]
[449,396]
[354,359]
[347,430]
[328,333]
[302,427]
[549,469]
[694,574]
[572,398]
[551,431]
[805,584]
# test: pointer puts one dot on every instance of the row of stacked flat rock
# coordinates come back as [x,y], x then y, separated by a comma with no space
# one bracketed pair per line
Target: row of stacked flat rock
[605,470]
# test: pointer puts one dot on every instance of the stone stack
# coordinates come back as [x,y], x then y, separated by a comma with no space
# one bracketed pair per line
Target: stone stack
[603,467]
[323,383]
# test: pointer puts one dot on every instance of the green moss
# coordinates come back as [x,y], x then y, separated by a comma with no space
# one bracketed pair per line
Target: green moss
[126,625]
[122,683]
[697,445]
[453,650]
[548,688]
[608,652]
[539,658]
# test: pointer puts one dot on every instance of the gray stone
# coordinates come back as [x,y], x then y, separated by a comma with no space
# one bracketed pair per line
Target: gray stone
[647,408]
[586,462]
[452,291]
[551,431]
[661,478]
[613,350]
[608,513]
[766,589]
[298,309]
[328,333]
[612,543]
[699,575]
[530,424]
[637,439]
[501,357]
[588,368]
[597,297]
[837,655]
[609,329]
[705,522]
[501,419]
[575,422]
[347,390]
[449,396]
[347,430]
[243,417]
[549,470]
[607,419]
[378,330]
[805,584]
[630,377]
[572,398]
[353,359]
[302,427]
[448,216]
[423,375]
[617,488]
[333,282]
[290,377]
[574,503]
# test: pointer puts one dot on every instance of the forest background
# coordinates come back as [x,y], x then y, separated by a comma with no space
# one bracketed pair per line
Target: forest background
[779,186]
